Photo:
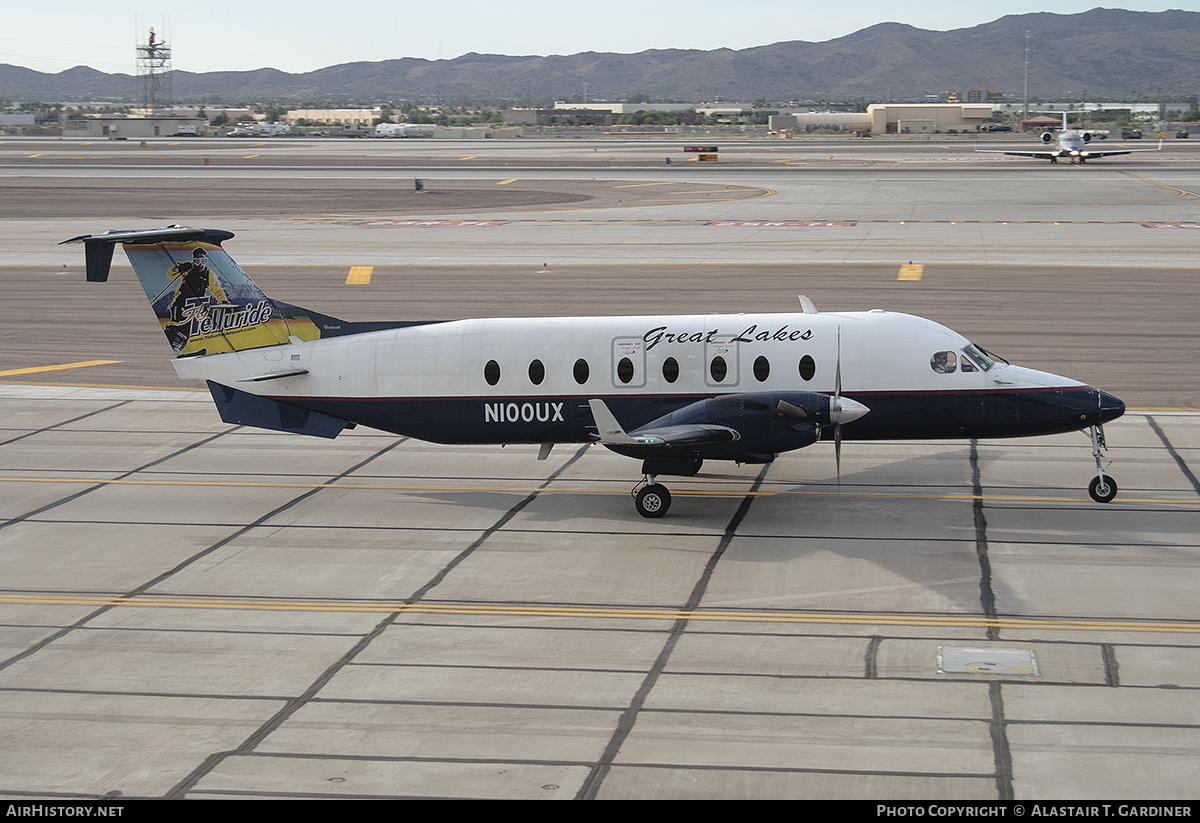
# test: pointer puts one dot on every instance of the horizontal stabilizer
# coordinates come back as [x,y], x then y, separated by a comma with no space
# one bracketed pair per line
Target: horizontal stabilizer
[244,409]
[98,248]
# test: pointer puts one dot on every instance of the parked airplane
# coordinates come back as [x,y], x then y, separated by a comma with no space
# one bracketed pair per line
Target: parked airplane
[671,391]
[1071,145]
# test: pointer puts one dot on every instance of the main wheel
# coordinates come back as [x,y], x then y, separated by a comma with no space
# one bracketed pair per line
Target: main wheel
[652,501]
[1102,489]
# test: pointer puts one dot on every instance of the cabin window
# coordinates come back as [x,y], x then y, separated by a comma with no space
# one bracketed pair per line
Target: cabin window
[580,371]
[808,367]
[944,362]
[670,369]
[625,370]
[491,372]
[762,368]
[537,372]
[718,369]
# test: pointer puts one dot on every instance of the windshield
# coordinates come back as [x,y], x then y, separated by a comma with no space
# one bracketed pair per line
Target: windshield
[979,357]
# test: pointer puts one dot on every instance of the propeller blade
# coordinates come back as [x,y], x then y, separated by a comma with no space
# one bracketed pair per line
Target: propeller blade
[837,403]
[837,452]
[837,372]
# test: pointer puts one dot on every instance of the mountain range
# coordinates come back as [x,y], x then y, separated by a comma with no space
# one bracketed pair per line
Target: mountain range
[1099,54]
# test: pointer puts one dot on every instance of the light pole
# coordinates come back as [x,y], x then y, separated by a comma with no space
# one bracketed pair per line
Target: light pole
[1026,117]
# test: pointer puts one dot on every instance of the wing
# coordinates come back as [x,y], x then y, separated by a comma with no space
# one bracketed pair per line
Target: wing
[611,432]
[1050,154]
[1098,153]
[1041,155]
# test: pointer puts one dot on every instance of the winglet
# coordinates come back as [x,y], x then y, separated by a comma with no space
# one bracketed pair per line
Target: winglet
[607,427]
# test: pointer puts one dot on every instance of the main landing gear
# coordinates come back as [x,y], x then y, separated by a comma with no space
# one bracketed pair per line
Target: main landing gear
[651,499]
[1102,488]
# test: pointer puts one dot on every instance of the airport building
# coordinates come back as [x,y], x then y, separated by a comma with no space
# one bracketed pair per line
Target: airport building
[118,127]
[892,118]
[18,118]
[927,118]
[359,117]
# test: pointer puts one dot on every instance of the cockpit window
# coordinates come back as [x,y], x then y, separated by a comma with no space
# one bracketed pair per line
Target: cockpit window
[976,355]
[990,355]
[944,362]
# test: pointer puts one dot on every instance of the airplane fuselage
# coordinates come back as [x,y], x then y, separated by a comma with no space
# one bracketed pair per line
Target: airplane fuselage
[1072,143]
[529,380]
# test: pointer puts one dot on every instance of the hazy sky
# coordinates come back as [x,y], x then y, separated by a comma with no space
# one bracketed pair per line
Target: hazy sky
[236,35]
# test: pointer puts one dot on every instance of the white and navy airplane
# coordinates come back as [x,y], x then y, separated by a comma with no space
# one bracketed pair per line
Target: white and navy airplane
[672,391]
[1070,145]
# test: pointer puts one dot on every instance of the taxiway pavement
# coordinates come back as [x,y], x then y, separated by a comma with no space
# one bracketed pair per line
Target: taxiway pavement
[195,610]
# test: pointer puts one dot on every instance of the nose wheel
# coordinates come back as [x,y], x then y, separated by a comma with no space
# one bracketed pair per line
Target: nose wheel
[1102,488]
[651,499]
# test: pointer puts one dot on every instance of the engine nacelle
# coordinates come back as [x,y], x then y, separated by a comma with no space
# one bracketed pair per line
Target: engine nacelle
[1087,137]
[1047,137]
[768,423]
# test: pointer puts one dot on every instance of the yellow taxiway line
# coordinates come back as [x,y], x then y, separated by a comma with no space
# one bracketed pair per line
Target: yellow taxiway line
[59,367]
[615,612]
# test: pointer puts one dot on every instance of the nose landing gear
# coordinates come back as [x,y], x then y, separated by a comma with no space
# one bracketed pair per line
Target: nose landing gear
[1102,488]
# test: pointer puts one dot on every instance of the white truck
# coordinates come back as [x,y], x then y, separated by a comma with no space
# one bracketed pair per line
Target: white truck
[404,130]
[260,130]
[272,129]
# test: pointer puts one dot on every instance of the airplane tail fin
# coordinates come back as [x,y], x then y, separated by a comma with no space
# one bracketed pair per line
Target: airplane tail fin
[204,301]
[1066,124]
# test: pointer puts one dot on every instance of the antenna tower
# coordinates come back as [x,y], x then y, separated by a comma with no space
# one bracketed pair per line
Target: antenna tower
[154,75]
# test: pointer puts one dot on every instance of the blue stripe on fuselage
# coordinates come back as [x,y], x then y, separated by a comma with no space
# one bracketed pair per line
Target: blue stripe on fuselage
[568,419]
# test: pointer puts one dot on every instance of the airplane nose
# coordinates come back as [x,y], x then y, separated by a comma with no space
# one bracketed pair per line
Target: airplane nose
[1111,407]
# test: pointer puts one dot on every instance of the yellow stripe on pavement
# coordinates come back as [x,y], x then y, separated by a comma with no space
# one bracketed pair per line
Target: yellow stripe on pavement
[604,613]
[359,275]
[79,365]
